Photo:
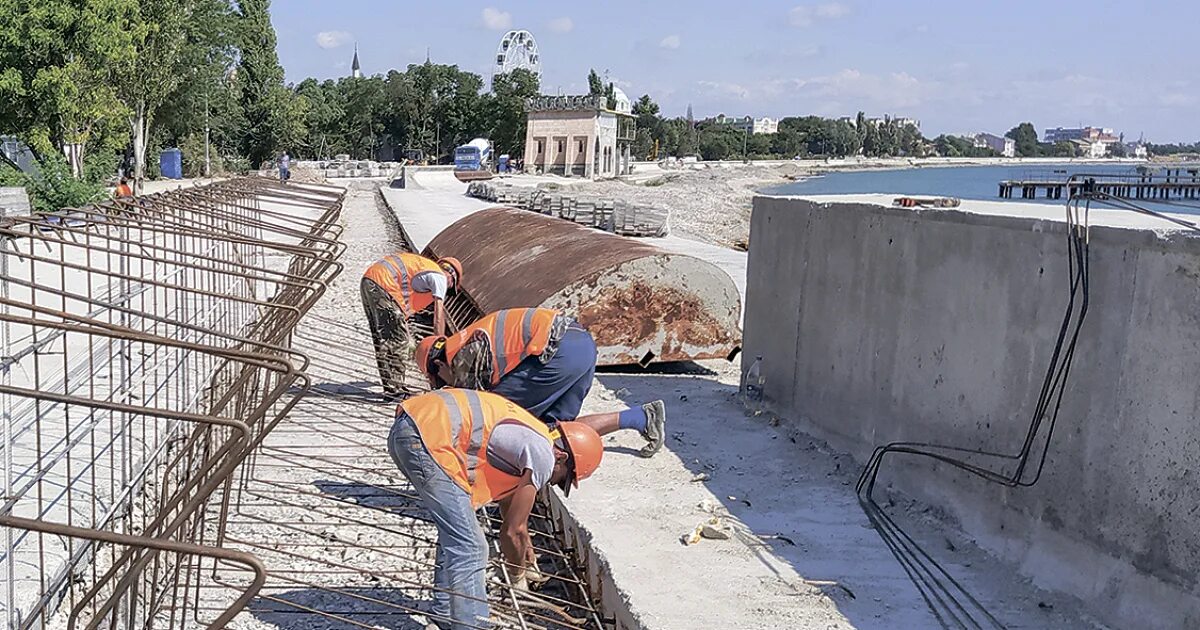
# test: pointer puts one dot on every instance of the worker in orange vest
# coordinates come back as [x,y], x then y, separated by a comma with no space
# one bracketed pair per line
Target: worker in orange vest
[462,449]
[538,358]
[123,190]
[394,291]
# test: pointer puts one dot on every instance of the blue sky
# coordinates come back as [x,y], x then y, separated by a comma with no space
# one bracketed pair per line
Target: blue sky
[964,66]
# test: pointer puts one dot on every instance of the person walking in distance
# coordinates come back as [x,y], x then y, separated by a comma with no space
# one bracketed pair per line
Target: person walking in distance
[538,358]
[461,450]
[123,190]
[285,167]
[397,290]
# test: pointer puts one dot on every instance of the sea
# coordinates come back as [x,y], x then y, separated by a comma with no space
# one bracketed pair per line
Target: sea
[964,182]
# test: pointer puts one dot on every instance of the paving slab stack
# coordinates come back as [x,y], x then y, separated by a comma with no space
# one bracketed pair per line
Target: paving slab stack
[603,213]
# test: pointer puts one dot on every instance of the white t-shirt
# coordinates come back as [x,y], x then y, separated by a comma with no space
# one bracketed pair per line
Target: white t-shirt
[431,282]
[514,448]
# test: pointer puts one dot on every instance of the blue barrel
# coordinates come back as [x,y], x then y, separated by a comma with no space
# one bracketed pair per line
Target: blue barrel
[503,164]
[170,163]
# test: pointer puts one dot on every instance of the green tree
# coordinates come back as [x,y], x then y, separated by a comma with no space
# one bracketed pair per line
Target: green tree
[1026,139]
[164,39]
[649,127]
[260,79]
[506,109]
[595,85]
[57,65]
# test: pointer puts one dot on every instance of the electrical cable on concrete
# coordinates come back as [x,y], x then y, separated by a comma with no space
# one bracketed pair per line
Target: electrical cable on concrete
[950,602]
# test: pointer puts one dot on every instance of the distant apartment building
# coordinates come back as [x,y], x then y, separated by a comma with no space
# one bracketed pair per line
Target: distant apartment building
[1002,145]
[748,123]
[1092,134]
[1090,148]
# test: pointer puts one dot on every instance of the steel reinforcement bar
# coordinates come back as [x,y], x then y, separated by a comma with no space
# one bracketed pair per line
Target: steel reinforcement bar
[146,351]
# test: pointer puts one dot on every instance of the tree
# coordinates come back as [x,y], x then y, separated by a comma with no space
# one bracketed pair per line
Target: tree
[1026,139]
[168,37]
[507,109]
[649,126]
[57,63]
[261,80]
[595,85]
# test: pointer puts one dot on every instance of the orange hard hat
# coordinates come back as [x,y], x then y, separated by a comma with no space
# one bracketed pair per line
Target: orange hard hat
[584,452]
[454,265]
[424,349]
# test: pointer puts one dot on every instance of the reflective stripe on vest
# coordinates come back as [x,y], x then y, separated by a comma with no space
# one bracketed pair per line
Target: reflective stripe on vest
[395,273]
[507,352]
[441,416]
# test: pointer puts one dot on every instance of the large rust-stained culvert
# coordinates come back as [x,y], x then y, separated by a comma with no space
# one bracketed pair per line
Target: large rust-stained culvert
[641,303]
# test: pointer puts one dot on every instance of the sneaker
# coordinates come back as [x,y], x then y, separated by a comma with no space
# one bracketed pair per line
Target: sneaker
[655,433]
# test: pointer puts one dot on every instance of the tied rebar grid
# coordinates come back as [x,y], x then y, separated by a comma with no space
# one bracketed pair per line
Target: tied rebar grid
[146,350]
[343,535]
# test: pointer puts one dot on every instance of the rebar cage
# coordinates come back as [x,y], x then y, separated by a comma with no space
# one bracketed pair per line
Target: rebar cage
[146,352]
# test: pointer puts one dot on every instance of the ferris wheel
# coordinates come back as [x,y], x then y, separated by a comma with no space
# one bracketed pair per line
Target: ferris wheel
[518,49]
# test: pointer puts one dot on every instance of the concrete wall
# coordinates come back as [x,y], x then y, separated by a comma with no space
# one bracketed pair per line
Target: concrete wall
[879,324]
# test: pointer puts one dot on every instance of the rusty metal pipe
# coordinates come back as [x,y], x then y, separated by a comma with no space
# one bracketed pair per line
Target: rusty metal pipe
[641,303]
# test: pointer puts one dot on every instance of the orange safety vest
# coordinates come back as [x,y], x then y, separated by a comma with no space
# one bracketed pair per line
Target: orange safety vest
[395,273]
[515,333]
[455,425]
[123,190]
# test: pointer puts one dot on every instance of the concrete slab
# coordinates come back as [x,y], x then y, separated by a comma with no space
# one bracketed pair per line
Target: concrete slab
[435,199]
[1100,215]
[803,554]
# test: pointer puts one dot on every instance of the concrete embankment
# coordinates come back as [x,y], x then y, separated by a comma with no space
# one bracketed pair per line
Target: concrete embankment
[879,324]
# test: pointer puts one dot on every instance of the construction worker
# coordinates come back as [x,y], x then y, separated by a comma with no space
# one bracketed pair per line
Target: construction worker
[123,190]
[462,449]
[394,290]
[538,358]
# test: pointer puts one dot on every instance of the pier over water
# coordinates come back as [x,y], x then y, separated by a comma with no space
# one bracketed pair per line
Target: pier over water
[1176,182]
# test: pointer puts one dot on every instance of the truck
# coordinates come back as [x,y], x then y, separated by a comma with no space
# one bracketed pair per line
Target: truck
[473,160]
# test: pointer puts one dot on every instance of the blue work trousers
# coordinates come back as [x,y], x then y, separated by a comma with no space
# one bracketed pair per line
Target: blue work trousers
[554,391]
[460,591]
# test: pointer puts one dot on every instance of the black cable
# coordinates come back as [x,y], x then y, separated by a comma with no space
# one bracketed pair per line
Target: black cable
[950,602]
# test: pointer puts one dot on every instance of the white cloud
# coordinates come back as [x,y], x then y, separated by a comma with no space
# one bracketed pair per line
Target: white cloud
[1176,99]
[805,15]
[726,89]
[561,25]
[670,41]
[496,20]
[333,39]
[832,10]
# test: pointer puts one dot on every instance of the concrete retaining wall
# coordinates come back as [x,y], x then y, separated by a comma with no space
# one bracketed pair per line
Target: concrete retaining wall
[879,324]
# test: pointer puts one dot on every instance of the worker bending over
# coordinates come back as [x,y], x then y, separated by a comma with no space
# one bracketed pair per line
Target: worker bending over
[462,449]
[396,289]
[538,358]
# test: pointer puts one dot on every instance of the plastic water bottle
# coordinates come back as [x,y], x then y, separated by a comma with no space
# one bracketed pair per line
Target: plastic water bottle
[753,383]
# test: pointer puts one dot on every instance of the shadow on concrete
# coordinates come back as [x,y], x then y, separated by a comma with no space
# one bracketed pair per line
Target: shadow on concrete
[674,367]
[792,495]
[351,607]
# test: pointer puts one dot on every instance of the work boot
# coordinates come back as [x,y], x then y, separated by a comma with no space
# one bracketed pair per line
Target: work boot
[656,430]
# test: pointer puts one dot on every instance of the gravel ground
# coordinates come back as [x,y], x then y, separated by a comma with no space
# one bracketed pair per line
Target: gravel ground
[707,204]
[342,535]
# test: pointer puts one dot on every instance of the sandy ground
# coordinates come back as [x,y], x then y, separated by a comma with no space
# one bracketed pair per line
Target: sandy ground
[710,201]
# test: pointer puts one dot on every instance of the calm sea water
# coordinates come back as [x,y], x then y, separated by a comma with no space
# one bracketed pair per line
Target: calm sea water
[964,182]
